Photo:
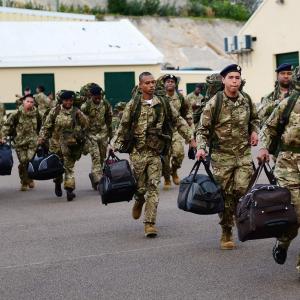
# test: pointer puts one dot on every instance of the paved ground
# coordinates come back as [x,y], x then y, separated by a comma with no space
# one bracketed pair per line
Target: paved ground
[52,249]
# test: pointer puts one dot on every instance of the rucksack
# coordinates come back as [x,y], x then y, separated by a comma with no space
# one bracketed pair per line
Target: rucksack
[276,143]
[6,159]
[107,116]
[16,118]
[166,132]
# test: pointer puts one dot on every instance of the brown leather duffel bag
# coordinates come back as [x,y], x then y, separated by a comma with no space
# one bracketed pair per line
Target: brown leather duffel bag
[266,210]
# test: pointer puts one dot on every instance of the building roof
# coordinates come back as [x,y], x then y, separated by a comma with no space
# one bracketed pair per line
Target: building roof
[44,44]
[44,13]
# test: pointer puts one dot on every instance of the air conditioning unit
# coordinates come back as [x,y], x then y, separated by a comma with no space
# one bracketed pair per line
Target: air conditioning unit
[231,44]
[244,43]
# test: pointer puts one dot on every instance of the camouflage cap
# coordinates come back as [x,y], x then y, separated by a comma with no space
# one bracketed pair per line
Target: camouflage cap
[64,94]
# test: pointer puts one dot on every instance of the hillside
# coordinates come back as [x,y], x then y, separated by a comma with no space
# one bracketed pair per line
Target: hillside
[187,42]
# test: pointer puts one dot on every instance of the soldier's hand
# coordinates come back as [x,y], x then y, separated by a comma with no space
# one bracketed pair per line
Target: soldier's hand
[254,139]
[263,155]
[40,141]
[193,143]
[2,141]
[201,154]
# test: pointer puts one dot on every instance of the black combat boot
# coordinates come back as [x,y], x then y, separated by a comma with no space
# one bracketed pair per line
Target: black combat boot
[93,182]
[279,253]
[70,194]
[58,190]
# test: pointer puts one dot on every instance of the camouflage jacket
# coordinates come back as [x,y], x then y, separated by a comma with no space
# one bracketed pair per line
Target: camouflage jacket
[176,102]
[269,103]
[232,128]
[25,125]
[100,119]
[60,121]
[42,102]
[194,100]
[2,117]
[291,135]
[144,125]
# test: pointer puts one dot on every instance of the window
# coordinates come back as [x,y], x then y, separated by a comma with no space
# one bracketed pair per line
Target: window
[289,58]
[33,80]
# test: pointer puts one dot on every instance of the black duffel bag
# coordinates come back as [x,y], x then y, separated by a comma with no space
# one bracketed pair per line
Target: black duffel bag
[200,194]
[6,159]
[266,210]
[118,182]
[45,165]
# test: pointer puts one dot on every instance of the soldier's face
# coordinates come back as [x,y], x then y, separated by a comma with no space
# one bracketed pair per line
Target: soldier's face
[232,82]
[28,103]
[170,85]
[197,90]
[96,99]
[147,84]
[284,78]
[67,103]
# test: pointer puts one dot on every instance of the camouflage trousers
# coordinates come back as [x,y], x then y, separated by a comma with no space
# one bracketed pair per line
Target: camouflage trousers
[69,164]
[287,172]
[173,161]
[233,173]
[97,149]
[25,154]
[147,169]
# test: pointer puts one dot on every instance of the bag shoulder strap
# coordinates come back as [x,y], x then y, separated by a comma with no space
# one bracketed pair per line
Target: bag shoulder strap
[215,118]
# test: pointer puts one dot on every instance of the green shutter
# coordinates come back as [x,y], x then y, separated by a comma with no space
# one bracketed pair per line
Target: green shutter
[33,80]
[118,86]
[289,58]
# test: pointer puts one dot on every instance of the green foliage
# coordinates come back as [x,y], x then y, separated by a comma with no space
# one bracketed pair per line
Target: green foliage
[194,8]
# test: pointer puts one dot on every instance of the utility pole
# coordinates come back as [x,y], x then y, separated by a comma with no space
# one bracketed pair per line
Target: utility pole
[57,5]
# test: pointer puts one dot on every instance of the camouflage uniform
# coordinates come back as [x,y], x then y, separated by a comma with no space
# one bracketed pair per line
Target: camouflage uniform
[99,133]
[173,161]
[59,125]
[42,102]
[2,117]
[117,115]
[26,126]
[145,156]
[231,157]
[270,102]
[287,169]
[194,100]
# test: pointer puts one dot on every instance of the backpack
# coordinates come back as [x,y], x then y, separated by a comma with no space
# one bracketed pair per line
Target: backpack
[167,127]
[16,118]
[276,143]
[107,116]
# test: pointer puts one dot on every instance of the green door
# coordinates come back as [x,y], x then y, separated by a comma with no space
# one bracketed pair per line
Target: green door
[289,58]
[190,87]
[118,86]
[33,80]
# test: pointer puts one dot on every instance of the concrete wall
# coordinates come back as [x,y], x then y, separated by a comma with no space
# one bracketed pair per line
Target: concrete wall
[65,78]
[74,77]
[275,27]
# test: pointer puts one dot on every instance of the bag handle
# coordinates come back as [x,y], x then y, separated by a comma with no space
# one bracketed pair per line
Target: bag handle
[112,155]
[206,166]
[256,174]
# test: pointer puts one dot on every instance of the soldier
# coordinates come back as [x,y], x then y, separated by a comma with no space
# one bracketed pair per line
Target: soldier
[23,126]
[66,124]
[229,126]
[145,116]
[41,100]
[173,160]
[99,132]
[19,101]
[283,87]
[117,115]
[2,117]
[287,168]
[195,98]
